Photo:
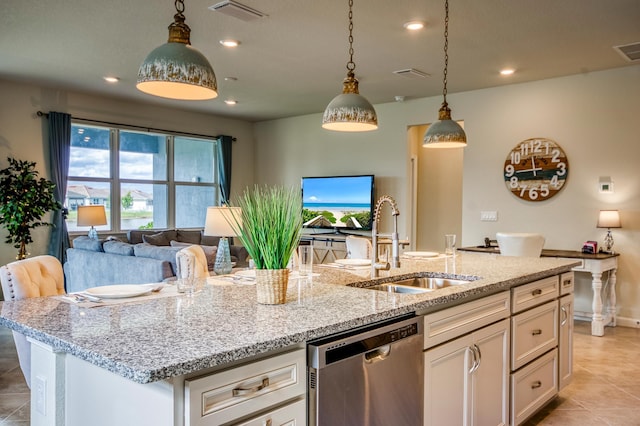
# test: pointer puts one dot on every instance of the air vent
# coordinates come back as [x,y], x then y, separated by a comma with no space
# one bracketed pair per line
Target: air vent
[312,379]
[412,73]
[237,10]
[631,52]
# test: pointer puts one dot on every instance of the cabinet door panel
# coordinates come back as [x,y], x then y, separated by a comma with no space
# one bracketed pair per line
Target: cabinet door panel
[565,342]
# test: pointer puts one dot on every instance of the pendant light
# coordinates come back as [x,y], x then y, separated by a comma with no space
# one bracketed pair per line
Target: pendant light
[350,112]
[445,133]
[176,70]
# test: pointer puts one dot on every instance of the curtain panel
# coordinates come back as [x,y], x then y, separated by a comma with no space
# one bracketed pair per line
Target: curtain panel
[224,167]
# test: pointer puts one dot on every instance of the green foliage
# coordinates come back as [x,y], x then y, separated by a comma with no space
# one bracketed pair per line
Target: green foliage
[307,215]
[24,200]
[270,224]
[364,218]
[127,201]
[147,226]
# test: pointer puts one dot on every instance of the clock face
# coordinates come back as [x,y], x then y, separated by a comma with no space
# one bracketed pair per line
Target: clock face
[536,169]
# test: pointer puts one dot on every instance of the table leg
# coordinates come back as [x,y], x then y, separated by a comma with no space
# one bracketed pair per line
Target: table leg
[597,322]
[612,297]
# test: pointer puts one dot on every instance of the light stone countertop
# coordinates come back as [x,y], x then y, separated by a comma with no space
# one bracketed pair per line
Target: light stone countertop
[171,336]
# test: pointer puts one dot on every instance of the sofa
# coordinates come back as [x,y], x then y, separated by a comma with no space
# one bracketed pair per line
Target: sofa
[147,256]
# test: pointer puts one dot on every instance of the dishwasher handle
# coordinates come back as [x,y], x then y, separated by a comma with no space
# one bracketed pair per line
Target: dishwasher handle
[379,354]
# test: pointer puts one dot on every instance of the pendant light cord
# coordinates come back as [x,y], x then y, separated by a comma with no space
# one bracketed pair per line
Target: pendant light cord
[351,66]
[446,49]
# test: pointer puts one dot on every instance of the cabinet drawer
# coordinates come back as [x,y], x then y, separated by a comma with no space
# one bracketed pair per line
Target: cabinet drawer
[566,283]
[294,414]
[533,386]
[230,394]
[533,294]
[450,323]
[533,333]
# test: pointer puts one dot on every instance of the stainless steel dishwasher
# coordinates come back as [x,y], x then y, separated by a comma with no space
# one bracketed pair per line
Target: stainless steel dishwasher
[372,376]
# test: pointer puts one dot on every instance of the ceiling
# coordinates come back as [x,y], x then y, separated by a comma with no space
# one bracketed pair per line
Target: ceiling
[292,61]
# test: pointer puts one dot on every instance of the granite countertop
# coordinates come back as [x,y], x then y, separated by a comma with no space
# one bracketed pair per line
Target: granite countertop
[170,336]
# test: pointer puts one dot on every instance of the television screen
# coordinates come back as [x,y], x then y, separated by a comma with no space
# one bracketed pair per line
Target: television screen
[338,202]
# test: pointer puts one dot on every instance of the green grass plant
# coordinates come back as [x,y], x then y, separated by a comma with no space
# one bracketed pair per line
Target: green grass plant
[270,224]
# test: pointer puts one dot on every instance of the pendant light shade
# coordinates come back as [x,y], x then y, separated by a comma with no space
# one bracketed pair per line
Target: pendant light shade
[349,111]
[445,133]
[176,70]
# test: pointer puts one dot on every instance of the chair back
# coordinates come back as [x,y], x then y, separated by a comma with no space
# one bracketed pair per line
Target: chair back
[520,244]
[191,263]
[38,276]
[358,247]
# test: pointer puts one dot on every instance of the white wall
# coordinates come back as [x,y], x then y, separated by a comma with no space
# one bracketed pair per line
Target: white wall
[593,116]
[21,134]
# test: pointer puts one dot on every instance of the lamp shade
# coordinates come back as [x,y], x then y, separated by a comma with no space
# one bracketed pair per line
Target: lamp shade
[445,133]
[219,220]
[92,215]
[609,219]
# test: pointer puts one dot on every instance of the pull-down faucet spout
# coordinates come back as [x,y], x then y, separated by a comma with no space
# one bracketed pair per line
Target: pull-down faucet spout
[395,241]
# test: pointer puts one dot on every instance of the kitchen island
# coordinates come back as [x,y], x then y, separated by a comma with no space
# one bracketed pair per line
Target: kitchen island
[132,363]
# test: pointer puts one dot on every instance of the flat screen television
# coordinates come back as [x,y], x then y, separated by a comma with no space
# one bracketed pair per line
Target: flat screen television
[338,202]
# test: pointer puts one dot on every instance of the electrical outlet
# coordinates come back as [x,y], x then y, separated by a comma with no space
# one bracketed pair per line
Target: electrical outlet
[40,389]
[489,216]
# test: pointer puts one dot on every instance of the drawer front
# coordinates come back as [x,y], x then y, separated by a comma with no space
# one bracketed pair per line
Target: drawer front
[294,414]
[235,393]
[533,294]
[533,386]
[566,283]
[533,333]
[450,323]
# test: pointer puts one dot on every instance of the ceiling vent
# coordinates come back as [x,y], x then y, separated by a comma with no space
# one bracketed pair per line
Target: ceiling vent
[631,52]
[412,73]
[237,10]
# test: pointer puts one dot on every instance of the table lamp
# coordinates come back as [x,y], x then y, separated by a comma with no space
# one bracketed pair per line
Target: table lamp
[92,215]
[218,223]
[609,219]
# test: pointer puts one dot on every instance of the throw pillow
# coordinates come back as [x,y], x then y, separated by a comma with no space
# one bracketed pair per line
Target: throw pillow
[186,236]
[86,243]
[159,239]
[160,253]
[209,252]
[118,247]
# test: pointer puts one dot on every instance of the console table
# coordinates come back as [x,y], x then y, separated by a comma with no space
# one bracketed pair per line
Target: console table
[596,265]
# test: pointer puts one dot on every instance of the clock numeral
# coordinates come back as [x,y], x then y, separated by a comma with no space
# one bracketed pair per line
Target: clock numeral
[524,149]
[533,193]
[509,170]
[538,146]
[515,157]
[513,182]
[562,169]
[544,190]
[555,182]
[556,154]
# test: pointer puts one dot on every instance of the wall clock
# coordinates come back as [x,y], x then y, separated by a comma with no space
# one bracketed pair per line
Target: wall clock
[536,169]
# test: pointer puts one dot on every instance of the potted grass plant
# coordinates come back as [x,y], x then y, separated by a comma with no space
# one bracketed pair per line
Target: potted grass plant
[269,225]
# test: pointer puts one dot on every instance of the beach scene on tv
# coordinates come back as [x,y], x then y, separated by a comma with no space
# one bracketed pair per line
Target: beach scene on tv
[337,202]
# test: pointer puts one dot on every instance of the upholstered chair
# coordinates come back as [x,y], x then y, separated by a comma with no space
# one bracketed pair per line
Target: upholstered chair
[358,247]
[191,263]
[38,276]
[520,244]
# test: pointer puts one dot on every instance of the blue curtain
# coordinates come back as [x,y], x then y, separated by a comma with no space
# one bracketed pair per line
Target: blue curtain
[60,148]
[224,167]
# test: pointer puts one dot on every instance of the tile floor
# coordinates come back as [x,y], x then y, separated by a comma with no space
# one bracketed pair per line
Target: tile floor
[605,390]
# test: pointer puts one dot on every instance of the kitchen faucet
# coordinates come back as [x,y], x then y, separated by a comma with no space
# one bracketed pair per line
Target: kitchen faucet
[375,265]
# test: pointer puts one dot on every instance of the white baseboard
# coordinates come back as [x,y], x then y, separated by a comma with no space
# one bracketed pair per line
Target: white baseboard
[628,322]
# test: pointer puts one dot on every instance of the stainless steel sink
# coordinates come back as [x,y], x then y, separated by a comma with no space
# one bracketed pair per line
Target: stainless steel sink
[417,285]
[395,288]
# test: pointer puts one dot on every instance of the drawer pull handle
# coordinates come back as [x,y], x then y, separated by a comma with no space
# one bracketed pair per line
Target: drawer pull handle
[536,332]
[536,292]
[269,422]
[536,384]
[566,283]
[254,389]
[565,315]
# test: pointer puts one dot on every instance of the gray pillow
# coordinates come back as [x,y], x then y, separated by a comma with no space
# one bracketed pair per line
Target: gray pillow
[118,247]
[86,243]
[186,236]
[159,253]
[159,239]
[209,252]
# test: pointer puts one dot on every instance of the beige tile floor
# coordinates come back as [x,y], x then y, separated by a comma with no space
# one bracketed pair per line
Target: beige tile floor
[605,390]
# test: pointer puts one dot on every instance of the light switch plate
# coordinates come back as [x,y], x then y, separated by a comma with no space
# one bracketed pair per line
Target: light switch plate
[489,216]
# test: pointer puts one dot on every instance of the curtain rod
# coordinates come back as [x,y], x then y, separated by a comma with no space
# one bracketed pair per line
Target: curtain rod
[148,129]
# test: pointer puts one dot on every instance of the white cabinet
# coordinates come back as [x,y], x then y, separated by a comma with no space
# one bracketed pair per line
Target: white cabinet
[267,391]
[467,379]
[565,343]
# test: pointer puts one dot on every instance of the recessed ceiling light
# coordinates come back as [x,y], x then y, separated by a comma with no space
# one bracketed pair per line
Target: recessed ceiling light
[109,79]
[507,71]
[230,102]
[414,25]
[229,42]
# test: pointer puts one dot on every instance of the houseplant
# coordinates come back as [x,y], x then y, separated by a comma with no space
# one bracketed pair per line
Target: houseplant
[269,227]
[24,200]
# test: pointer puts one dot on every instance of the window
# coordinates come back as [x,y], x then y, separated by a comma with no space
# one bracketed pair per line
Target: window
[160,180]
